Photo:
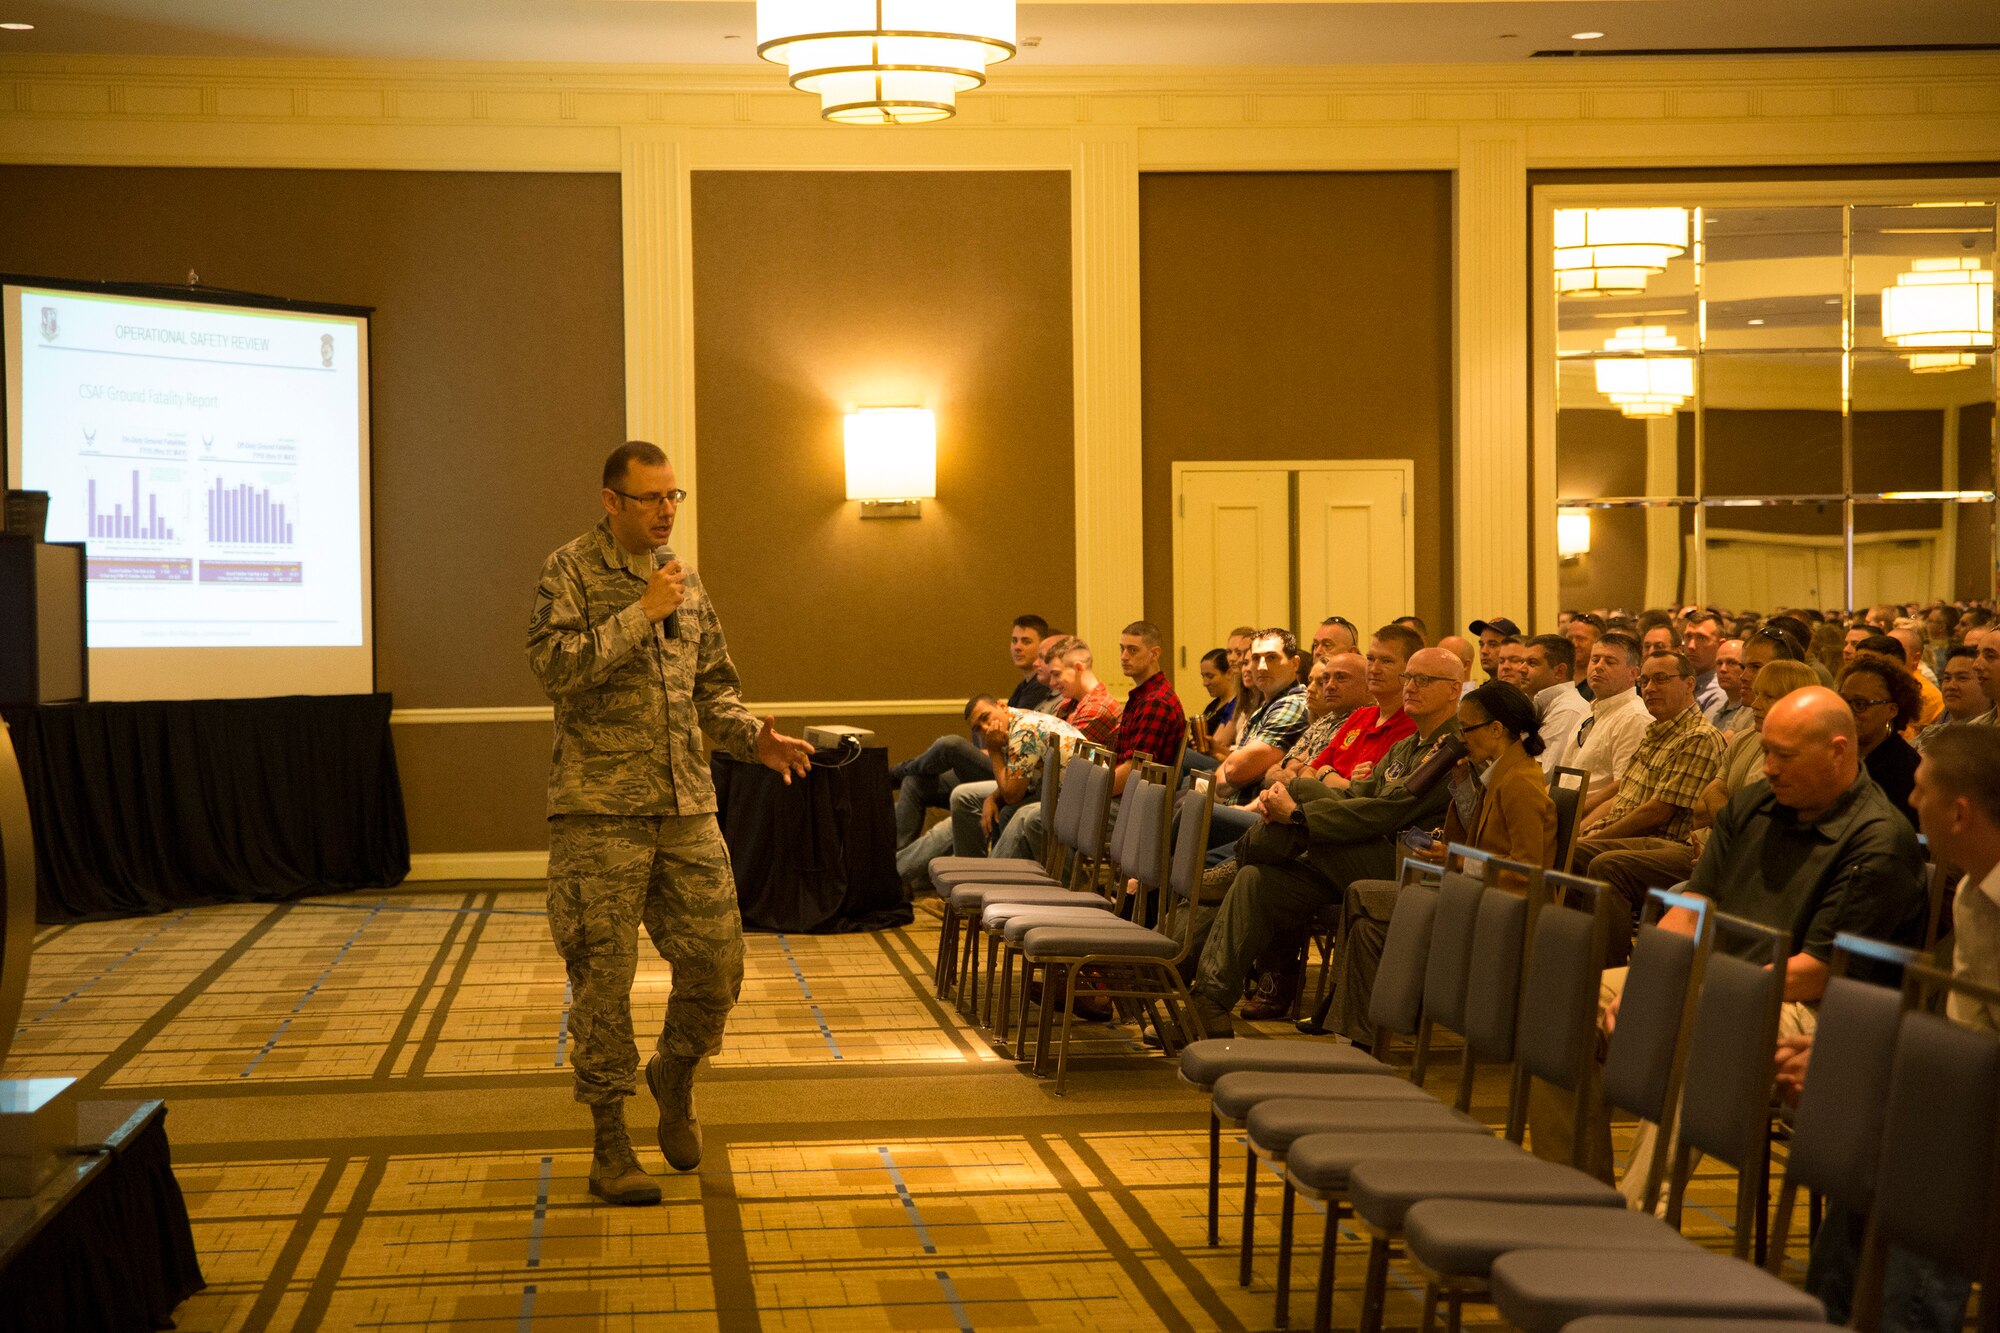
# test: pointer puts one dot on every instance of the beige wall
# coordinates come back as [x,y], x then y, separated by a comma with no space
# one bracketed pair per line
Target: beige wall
[818,292]
[1297,315]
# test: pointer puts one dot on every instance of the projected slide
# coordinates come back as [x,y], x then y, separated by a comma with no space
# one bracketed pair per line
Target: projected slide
[213,458]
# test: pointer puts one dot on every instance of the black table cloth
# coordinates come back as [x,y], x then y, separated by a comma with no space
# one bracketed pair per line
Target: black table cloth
[149,807]
[106,1246]
[818,856]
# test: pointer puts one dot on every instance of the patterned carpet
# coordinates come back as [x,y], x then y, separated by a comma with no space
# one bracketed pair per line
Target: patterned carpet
[371,1121]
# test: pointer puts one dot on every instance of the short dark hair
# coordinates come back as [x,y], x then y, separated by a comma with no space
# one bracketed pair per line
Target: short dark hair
[1559,650]
[1673,635]
[620,460]
[1962,762]
[972,704]
[1622,641]
[1783,641]
[1403,637]
[1148,632]
[1800,631]
[1956,651]
[1683,665]
[1219,658]
[1902,687]
[1286,639]
[1035,623]
[1886,646]
[1510,639]
[1414,622]
[1701,615]
[1506,704]
[1592,619]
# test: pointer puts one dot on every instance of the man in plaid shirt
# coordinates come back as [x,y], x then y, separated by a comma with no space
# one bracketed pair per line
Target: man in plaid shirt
[1153,722]
[1679,755]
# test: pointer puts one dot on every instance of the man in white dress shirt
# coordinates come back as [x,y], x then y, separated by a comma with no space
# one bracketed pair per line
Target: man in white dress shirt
[1551,662]
[1606,740]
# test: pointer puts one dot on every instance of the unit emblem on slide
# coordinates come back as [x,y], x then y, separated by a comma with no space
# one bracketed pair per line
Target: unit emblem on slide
[326,349]
[48,323]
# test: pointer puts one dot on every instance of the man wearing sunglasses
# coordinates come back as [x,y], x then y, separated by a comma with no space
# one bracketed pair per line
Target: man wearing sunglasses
[625,642]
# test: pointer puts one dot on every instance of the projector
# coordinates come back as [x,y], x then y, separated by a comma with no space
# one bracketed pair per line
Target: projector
[833,736]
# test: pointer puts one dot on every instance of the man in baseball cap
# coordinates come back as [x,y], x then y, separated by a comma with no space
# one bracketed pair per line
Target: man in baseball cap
[1492,633]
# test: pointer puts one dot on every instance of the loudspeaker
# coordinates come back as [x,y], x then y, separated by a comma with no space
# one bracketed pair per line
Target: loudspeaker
[42,592]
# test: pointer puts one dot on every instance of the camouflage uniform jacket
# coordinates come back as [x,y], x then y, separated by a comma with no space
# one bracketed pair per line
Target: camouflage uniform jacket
[628,705]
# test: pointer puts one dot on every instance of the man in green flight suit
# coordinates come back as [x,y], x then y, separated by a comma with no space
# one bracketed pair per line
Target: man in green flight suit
[627,645]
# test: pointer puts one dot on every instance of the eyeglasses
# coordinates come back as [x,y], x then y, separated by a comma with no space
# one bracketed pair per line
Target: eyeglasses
[1424,682]
[1860,704]
[1478,726]
[654,499]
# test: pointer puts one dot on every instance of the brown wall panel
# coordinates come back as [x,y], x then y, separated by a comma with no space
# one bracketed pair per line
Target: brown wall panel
[498,386]
[1297,315]
[819,292]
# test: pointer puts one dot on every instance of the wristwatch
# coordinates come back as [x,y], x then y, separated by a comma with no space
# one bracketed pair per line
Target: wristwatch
[1299,815]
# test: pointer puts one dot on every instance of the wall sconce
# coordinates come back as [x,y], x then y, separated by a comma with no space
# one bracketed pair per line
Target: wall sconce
[1572,533]
[892,460]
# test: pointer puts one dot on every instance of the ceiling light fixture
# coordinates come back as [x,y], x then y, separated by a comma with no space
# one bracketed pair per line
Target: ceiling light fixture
[1613,251]
[1940,303]
[1585,36]
[18,27]
[1645,385]
[886,62]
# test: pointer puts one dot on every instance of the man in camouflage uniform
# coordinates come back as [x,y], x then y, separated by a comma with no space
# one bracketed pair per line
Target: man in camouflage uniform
[628,647]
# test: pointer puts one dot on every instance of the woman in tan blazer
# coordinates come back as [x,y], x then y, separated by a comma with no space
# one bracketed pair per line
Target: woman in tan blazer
[1506,806]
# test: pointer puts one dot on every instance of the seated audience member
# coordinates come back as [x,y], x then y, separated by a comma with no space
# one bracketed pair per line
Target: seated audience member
[1801,634]
[1734,714]
[1360,742]
[1661,864]
[1415,623]
[1883,699]
[1931,700]
[1335,634]
[1815,850]
[1583,631]
[1987,665]
[1335,688]
[1513,663]
[1151,724]
[1499,803]
[1940,636]
[1957,799]
[1237,645]
[1549,665]
[1461,649]
[1092,710]
[1964,702]
[1659,636]
[1015,741]
[1340,835]
[1852,638]
[1678,756]
[1491,634]
[1266,734]
[1606,740]
[928,779]
[1024,645]
[1912,639]
[1048,663]
[1221,684]
[1701,640]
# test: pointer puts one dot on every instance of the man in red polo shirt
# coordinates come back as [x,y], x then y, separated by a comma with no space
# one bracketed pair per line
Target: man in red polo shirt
[1359,743]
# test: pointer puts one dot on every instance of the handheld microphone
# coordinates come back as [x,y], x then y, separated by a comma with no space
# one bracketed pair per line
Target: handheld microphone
[669,628]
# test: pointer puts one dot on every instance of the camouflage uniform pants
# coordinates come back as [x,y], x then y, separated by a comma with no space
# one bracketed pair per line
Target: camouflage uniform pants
[609,873]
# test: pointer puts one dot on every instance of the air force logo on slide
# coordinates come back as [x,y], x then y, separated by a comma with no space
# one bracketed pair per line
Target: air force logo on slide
[48,323]
[326,349]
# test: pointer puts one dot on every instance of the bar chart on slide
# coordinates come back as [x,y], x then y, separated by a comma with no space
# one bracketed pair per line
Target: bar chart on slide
[116,511]
[249,515]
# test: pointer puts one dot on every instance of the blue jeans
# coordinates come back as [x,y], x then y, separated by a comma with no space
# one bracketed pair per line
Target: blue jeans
[1918,1296]
[1226,825]
[928,780]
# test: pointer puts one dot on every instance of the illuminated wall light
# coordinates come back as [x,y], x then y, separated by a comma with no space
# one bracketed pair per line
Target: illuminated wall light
[1572,533]
[886,62]
[891,460]
[1613,251]
[1645,386]
[1940,303]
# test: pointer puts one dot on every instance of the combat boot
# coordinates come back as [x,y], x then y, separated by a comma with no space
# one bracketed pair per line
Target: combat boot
[615,1176]
[672,1082]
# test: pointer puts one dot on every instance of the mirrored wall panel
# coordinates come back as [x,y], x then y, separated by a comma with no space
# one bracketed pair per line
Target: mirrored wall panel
[1775,406]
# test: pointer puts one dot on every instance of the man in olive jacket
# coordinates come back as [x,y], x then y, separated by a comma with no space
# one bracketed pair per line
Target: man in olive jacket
[627,645]
[1316,839]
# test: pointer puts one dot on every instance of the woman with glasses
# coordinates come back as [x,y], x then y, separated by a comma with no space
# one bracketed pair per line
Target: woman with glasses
[1885,700]
[1499,794]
